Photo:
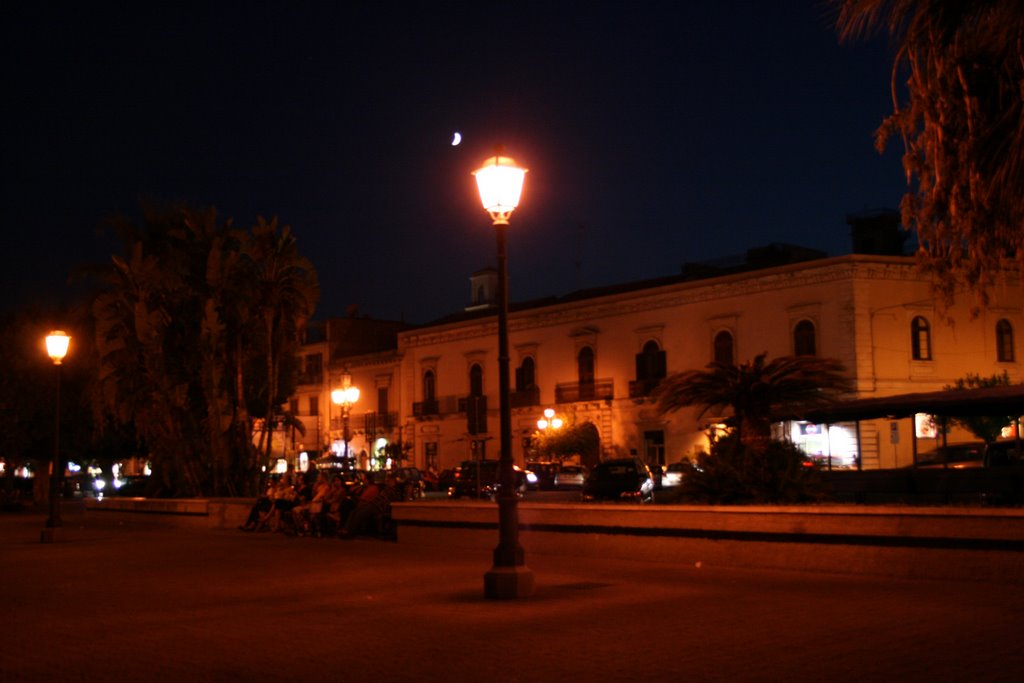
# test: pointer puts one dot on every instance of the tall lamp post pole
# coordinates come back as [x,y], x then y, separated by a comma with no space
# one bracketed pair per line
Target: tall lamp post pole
[500,182]
[57,343]
[345,397]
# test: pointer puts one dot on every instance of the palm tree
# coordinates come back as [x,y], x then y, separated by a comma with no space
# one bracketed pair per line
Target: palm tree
[286,293]
[755,390]
[961,119]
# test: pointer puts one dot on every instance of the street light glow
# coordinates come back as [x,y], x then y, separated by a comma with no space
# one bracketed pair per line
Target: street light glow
[57,343]
[500,183]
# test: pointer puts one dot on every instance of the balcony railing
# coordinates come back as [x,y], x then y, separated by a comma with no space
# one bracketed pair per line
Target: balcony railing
[310,379]
[426,409]
[641,388]
[525,398]
[376,423]
[442,405]
[572,392]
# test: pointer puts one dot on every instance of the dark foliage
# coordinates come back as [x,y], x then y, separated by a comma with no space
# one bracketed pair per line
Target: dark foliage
[732,473]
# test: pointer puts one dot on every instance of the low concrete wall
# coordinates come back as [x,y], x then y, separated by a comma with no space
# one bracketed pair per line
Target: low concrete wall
[211,513]
[941,543]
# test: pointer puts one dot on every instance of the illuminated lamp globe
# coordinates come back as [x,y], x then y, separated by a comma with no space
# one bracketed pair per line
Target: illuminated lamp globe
[346,396]
[57,343]
[500,183]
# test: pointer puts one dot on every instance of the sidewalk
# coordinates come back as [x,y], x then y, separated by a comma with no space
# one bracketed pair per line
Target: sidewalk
[136,600]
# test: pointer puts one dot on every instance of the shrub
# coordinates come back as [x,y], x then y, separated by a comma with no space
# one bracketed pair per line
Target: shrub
[734,473]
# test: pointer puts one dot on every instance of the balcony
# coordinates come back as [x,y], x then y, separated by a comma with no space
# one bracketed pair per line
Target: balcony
[377,423]
[426,409]
[643,388]
[310,379]
[525,398]
[573,392]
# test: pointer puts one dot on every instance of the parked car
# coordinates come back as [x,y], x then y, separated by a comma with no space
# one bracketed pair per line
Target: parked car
[1004,454]
[954,456]
[479,479]
[570,477]
[446,479]
[621,479]
[132,486]
[544,474]
[673,475]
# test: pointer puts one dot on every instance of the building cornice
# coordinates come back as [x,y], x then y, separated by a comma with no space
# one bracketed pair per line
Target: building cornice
[807,274]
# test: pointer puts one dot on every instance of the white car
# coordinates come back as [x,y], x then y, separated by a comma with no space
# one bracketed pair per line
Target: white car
[570,477]
[673,475]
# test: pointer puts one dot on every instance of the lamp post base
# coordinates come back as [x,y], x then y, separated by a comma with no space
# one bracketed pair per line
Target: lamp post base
[508,583]
[50,534]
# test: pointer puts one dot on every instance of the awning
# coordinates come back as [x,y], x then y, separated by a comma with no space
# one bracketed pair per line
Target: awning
[1003,400]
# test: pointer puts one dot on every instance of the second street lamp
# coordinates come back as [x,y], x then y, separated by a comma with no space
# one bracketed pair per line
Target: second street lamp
[345,397]
[500,182]
[57,343]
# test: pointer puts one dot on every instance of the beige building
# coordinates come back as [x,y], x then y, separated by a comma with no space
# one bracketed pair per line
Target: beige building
[594,357]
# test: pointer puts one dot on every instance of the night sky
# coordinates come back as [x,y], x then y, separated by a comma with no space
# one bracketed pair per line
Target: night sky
[656,133]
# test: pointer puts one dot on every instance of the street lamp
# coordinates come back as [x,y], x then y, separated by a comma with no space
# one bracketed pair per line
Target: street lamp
[345,397]
[549,421]
[57,343]
[500,183]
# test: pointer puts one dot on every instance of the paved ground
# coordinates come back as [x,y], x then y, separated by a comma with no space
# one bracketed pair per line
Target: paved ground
[140,602]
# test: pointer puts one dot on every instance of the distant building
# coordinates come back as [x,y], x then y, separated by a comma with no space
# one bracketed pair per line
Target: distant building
[595,356]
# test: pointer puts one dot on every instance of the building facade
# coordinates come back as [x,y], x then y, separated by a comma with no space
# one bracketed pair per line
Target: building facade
[596,356]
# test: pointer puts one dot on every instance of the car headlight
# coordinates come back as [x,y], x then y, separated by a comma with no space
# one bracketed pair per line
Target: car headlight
[98,484]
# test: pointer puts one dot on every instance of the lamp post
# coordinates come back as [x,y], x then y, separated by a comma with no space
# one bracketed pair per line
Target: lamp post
[500,183]
[57,343]
[345,397]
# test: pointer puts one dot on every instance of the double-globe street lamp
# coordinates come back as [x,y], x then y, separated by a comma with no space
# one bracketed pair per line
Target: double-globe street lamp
[500,183]
[57,343]
[345,397]
[549,421]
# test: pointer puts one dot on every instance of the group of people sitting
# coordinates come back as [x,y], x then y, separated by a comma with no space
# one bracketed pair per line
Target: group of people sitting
[325,506]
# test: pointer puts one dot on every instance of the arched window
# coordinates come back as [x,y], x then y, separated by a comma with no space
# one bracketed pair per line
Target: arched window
[921,339]
[1004,341]
[428,386]
[476,404]
[585,365]
[650,362]
[804,343]
[723,347]
[526,374]
[476,380]
[585,370]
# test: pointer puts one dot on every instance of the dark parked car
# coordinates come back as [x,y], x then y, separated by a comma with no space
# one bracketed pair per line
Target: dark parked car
[545,475]
[954,456]
[971,455]
[622,479]
[479,479]
[1004,454]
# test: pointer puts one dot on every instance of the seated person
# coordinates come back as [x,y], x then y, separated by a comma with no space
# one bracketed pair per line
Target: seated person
[331,516]
[261,509]
[372,512]
[311,504]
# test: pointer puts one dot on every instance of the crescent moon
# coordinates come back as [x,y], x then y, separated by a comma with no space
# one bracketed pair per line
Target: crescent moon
[456,139]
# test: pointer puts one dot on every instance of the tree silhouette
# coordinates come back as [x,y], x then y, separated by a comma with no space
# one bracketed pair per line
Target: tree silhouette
[752,391]
[961,119]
